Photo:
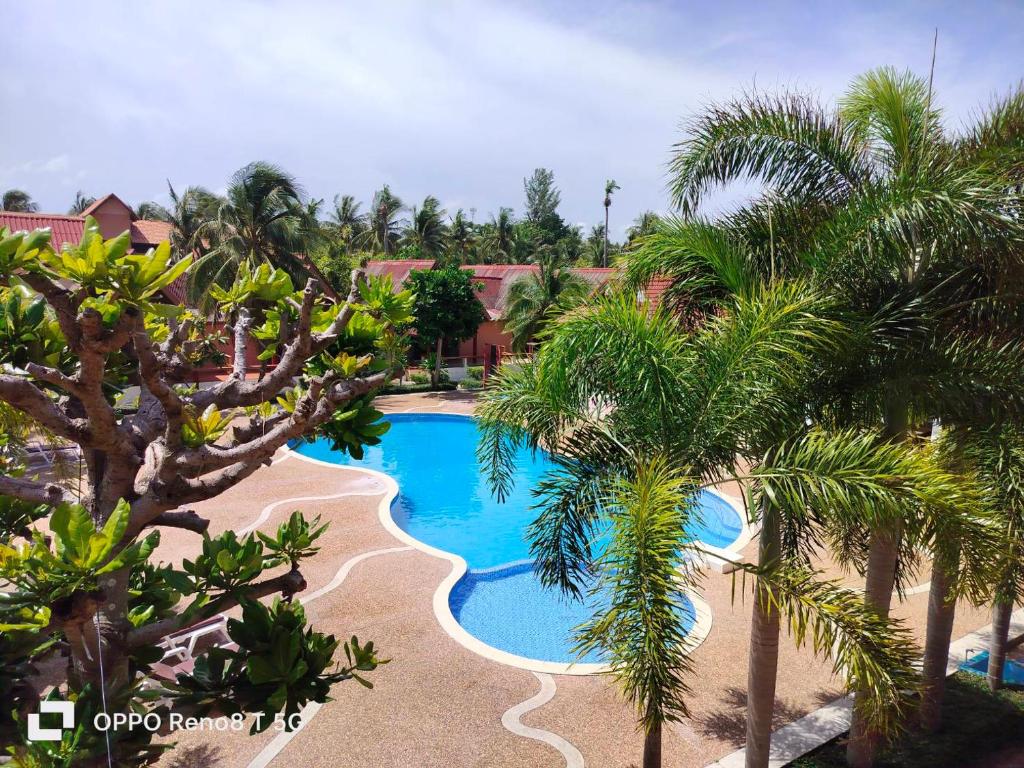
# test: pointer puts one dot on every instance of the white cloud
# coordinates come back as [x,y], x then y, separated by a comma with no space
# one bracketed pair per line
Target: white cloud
[456,99]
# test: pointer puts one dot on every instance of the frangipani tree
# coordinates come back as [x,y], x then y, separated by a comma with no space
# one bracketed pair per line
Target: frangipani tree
[90,586]
[619,387]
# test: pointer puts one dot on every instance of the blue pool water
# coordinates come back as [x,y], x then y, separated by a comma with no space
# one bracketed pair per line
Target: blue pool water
[445,502]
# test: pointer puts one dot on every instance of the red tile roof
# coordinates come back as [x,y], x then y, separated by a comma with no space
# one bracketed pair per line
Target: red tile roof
[499,278]
[148,232]
[399,269]
[64,229]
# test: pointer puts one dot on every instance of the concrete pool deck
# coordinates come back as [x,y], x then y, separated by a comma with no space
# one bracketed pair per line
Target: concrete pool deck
[438,703]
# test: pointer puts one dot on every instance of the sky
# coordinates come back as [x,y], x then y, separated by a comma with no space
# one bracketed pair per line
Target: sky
[456,99]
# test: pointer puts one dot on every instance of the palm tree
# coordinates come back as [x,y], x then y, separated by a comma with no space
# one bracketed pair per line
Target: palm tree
[427,231]
[643,225]
[187,214]
[18,201]
[499,240]
[461,237]
[385,223]
[996,453]
[873,195]
[262,219]
[609,187]
[348,223]
[639,630]
[535,298]
[616,381]
[80,203]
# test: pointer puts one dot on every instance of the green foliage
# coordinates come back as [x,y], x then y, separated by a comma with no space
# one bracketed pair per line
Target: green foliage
[294,539]
[81,553]
[204,428]
[279,667]
[644,570]
[352,428]
[446,305]
[28,333]
[418,377]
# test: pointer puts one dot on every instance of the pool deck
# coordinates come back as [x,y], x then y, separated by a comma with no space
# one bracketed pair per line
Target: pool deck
[440,704]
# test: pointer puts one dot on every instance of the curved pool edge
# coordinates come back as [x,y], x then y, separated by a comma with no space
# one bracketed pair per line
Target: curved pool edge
[698,633]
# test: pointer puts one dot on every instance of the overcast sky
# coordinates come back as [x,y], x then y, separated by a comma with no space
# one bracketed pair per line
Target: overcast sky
[459,100]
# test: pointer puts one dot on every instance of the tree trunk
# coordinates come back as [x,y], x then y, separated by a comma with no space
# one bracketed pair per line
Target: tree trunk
[652,747]
[762,670]
[605,259]
[941,611]
[883,556]
[435,375]
[1001,611]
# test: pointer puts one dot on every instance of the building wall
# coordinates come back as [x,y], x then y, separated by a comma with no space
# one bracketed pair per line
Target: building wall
[490,333]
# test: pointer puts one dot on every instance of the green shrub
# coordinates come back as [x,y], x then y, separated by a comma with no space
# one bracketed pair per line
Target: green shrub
[475,372]
[419,378]
[470,383]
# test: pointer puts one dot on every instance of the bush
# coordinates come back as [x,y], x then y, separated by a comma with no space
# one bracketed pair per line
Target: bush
[419,378]
[475,372]
[470,383]
[409,389]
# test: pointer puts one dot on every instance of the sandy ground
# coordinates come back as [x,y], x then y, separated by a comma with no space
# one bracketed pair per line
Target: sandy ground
[439,704]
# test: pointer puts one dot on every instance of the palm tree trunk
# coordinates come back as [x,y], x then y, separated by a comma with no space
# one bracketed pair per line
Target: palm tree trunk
[605,259]
[1001,610]
[652,747]
[941,611]
[763,664]
[883,553]
[883,556]
[435,376]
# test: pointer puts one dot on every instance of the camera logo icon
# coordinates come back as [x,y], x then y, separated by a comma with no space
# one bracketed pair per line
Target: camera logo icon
[66,710]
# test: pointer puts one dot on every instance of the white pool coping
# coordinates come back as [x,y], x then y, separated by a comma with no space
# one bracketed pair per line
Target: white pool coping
[442,609]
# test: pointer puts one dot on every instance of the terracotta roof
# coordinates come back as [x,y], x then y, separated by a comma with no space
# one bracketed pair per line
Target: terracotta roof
[64,229]
[149,232]
[655,290]
[499,278]
[399,269]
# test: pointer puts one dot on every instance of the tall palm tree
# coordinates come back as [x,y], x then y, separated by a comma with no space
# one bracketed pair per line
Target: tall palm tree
[609,187]
[873,195]
[80,203]
[534,299]
[19,201]
[262,219]
[461,237]
[385,222]
[996,453]
[427,231]
[348,223]
[499,241]
[617,381]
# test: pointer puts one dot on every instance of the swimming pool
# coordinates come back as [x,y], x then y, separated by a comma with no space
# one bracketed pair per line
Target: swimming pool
[445,502]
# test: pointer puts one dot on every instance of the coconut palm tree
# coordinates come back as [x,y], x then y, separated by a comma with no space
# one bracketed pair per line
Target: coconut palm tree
[346,220]
[874,195]
[427,231]
[385,222]
[609,187]
[540,295]
[262,219]
[461,237]
[616,381]
[499,238]
[18,201]
[80,203]
[188,212]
